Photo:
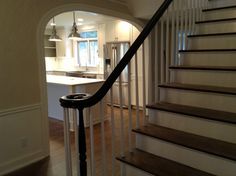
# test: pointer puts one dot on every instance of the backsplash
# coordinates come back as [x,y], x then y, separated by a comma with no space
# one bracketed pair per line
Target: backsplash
[68,64]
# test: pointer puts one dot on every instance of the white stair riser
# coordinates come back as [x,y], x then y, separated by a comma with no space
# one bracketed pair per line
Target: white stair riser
[204,77]
[208,128]
[132,171]
[220,3]
[208,59]
[219,14]
[193,158]
[212,42]
[199,99]
[219,27]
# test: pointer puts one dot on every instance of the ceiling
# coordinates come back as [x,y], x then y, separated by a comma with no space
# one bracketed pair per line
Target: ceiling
[66,19]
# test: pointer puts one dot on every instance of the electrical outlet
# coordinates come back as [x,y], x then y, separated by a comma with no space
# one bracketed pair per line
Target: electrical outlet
[24,142]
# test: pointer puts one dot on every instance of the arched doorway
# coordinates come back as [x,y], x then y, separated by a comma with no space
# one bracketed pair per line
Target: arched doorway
[43,68]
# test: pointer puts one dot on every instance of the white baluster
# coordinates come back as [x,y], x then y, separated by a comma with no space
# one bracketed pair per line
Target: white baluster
[113,138]
[67,142]
[101,107]
[129,107]
[177,31]
[75,123]
[156,63]
[173,47]
[181,25]
[137,92]
[144,84]
[167,57]
[162,67]
[92,160]
[121,119]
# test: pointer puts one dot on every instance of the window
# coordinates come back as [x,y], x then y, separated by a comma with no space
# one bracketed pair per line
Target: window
[88,49]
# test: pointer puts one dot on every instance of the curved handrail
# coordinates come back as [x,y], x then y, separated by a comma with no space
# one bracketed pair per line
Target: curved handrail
[94,99]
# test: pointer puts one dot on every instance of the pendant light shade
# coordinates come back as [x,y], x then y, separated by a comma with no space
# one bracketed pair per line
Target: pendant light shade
[54,37]
[74,35]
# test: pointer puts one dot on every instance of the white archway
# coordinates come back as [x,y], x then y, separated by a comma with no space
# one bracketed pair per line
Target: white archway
[40,47]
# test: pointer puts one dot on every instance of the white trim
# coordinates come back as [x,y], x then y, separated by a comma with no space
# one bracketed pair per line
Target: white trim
[17,163]
[19,109]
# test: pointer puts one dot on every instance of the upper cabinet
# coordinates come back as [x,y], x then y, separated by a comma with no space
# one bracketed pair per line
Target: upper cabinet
[117,31]
[49,47]
[65,47]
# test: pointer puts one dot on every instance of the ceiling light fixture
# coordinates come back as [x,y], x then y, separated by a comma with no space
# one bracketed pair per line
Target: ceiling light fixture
[80,19]
[74,35]
[54,37]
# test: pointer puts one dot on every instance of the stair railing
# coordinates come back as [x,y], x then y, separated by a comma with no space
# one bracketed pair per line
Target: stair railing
[167,31]
[170,36]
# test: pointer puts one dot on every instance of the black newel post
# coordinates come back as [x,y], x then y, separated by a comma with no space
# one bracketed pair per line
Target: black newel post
[82,145]
[73,102]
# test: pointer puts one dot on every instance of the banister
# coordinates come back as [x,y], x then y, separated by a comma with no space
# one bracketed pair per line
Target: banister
[94,99]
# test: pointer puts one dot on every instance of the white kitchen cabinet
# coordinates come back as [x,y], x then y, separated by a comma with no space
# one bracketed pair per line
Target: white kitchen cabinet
[117,31]
[49,47]
[58,86]
[65,47]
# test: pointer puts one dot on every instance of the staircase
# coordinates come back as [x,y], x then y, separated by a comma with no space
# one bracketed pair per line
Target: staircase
[192,129]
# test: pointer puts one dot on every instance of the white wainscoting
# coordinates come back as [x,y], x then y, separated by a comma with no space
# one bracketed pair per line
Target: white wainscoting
[22,139]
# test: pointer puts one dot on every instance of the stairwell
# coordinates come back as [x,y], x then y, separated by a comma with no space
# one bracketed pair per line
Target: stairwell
[191,130]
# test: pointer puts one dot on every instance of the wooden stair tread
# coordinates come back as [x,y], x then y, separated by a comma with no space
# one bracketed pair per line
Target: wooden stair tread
[200,143]
[212,34]
[207,50]
[210,114]
[219,8]
[158,166]
[216,21]
[202,88]
[216,68]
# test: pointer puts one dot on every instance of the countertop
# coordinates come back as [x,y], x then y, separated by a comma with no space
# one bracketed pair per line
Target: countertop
[71,81]
[77,71]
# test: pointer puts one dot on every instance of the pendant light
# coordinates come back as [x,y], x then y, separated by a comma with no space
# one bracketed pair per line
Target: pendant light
[74,35]
[54,37]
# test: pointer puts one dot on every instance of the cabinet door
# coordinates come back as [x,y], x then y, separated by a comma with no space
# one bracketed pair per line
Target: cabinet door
[117,31]
[123,31]
[65,47]
[49,47]
[111,31]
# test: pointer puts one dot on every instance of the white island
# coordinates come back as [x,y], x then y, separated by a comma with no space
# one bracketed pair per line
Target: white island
[58,86]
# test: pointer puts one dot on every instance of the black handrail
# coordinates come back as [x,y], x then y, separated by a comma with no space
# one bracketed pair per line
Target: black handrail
[94,99]
[81,101]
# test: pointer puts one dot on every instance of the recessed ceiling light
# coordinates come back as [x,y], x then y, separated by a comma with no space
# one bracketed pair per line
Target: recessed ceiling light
[79,24]
[53,24]
[91,13]
[80,19]
[88,27]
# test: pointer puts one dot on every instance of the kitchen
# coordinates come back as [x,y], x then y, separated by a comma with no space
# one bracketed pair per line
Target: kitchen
[68,62]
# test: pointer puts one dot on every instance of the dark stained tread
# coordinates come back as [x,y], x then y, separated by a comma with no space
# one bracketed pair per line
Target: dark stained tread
[213,68]
[202,88]
[207,50]
[209,114]
[193,141]
[158,166]
[219,8]
[212,34]
[216,21]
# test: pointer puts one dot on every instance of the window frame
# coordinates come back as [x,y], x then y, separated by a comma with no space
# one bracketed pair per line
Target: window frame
[88,40]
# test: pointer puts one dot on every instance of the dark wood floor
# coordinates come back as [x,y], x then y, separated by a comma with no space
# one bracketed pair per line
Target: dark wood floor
[55,164]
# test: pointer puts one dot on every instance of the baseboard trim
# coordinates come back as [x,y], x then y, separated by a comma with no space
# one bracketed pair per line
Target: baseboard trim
[17,164]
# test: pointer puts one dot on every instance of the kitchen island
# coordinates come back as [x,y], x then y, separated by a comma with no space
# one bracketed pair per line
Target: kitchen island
[58,86]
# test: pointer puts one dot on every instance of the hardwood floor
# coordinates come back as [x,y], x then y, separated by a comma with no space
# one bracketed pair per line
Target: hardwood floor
[55,164]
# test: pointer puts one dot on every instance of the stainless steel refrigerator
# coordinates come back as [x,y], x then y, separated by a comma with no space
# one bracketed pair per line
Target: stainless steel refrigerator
[113,53]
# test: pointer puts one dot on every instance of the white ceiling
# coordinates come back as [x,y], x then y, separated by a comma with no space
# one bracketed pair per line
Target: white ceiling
[66,19]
